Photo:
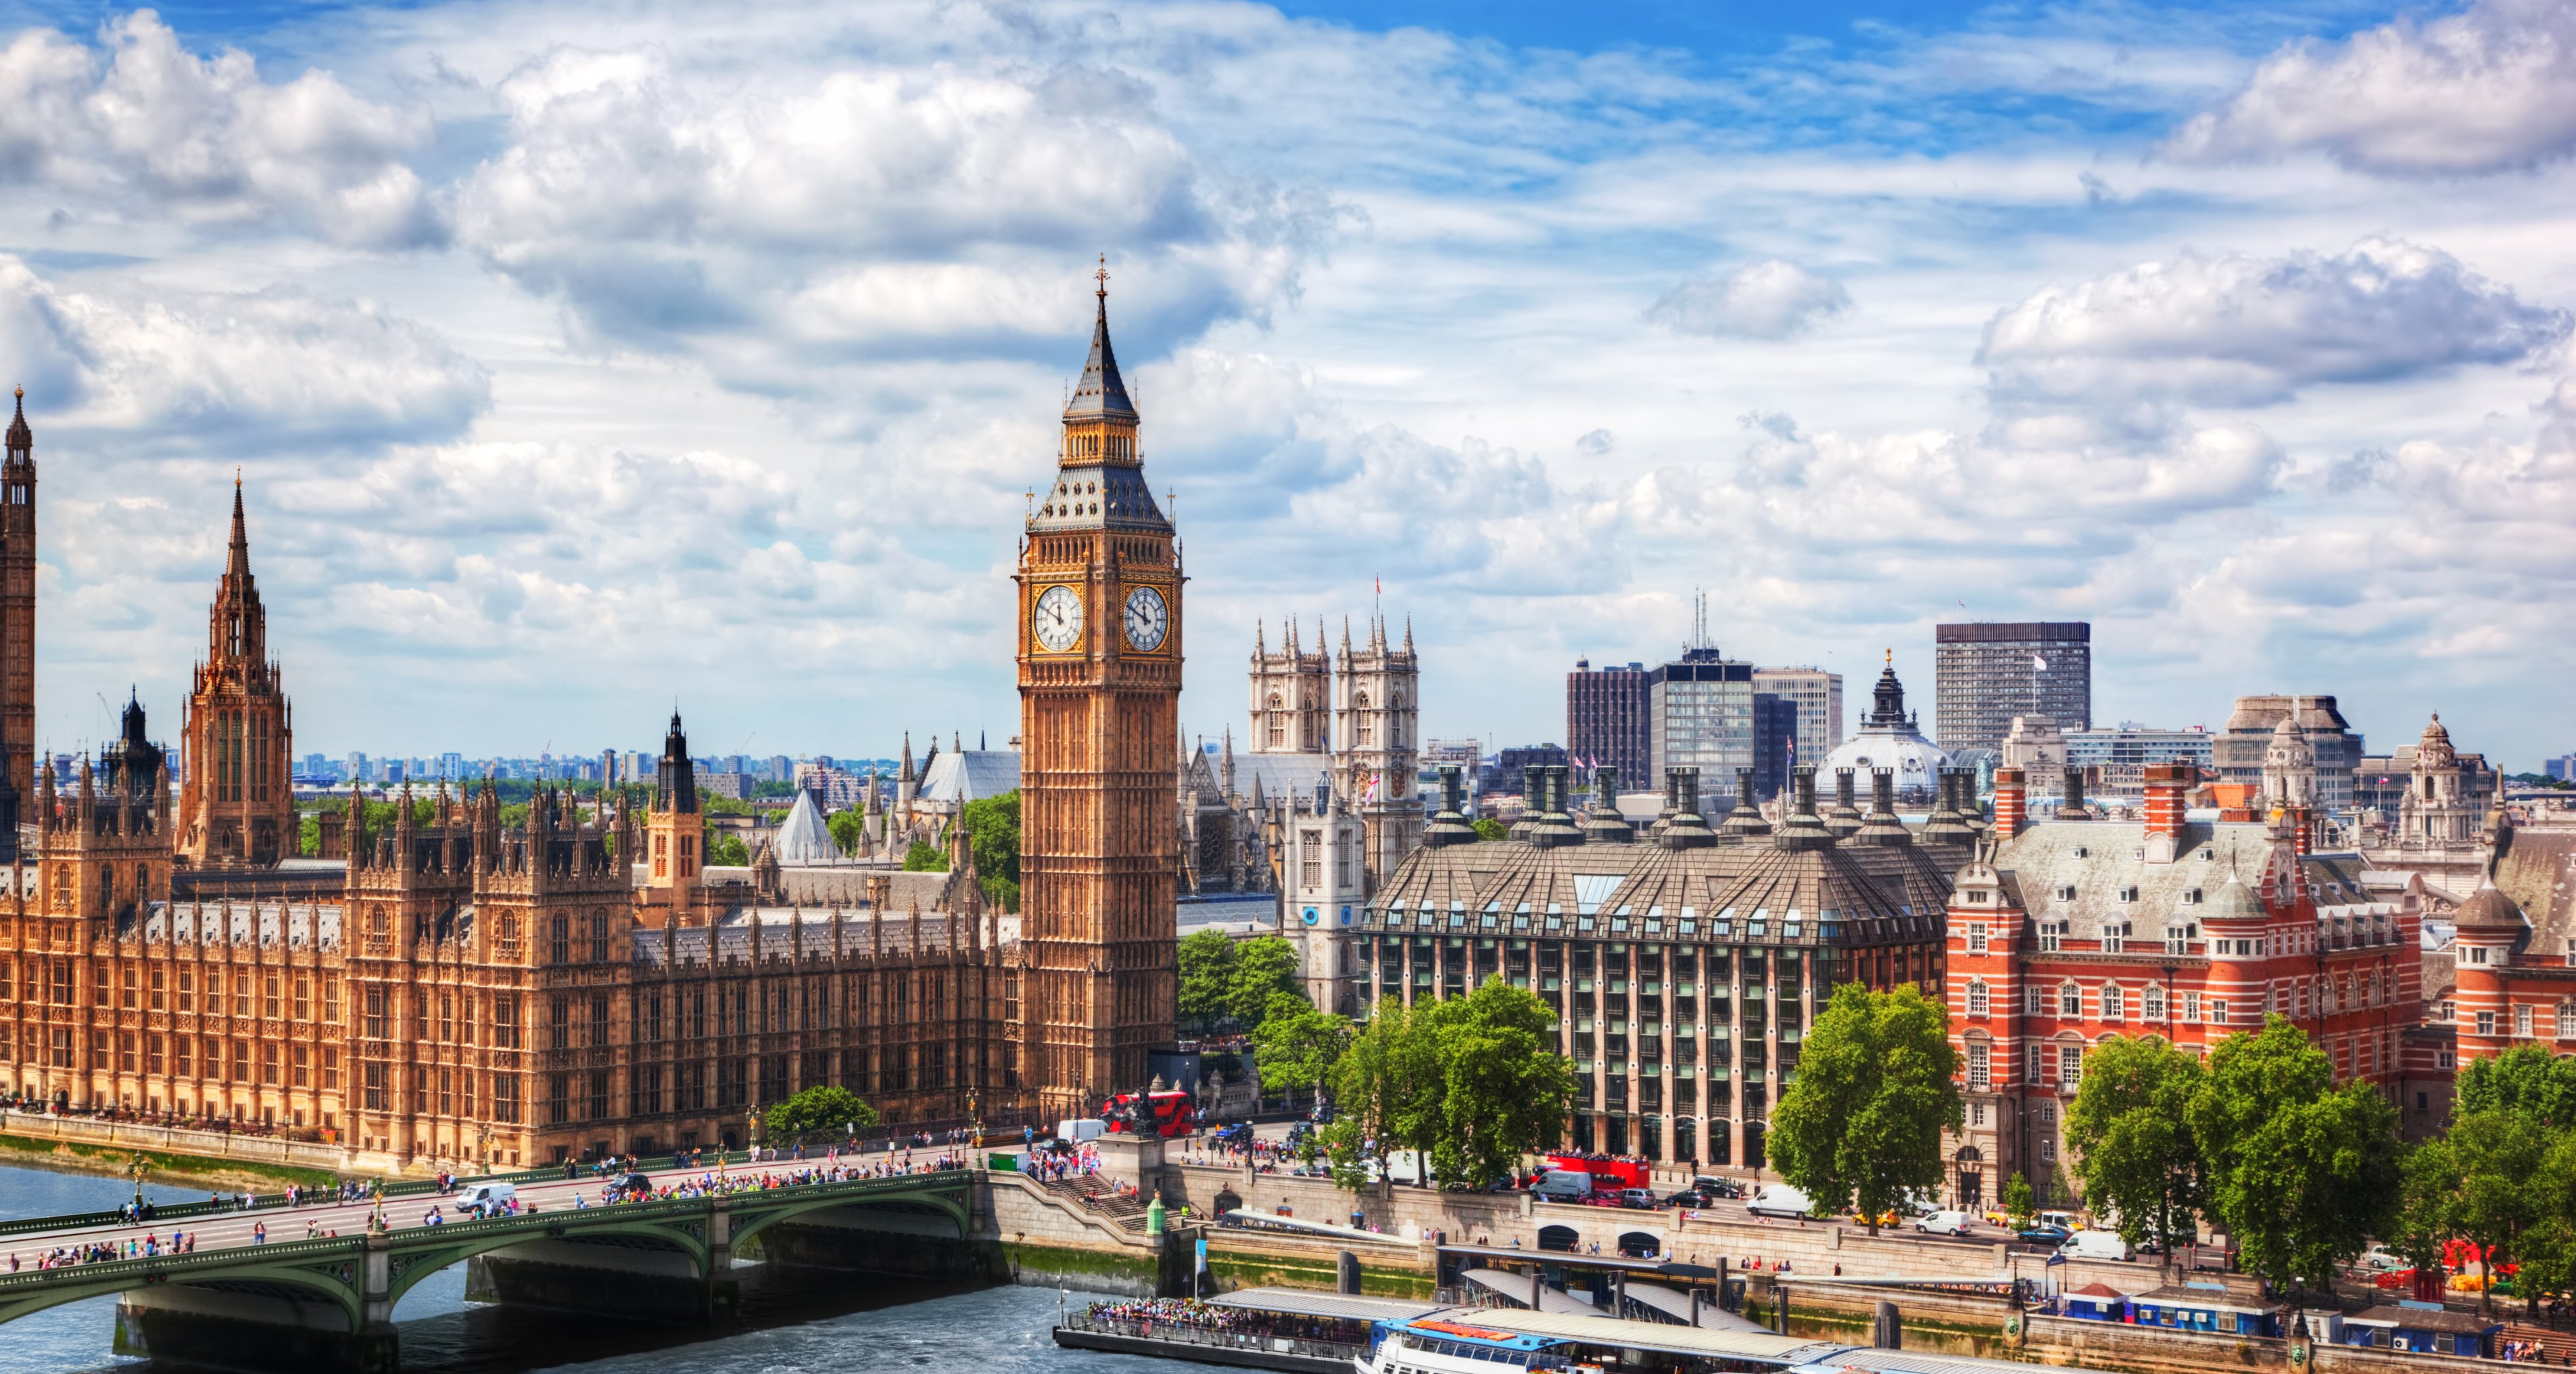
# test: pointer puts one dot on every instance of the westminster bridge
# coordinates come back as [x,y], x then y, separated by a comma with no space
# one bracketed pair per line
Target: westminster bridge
[318,1300]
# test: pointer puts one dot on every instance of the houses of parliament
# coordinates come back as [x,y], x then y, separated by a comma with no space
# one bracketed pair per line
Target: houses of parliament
[449,987]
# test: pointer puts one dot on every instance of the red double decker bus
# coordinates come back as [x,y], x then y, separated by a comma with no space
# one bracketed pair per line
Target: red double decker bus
[1166,1114]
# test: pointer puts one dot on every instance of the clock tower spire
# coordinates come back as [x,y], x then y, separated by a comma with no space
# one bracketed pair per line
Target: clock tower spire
[1100,685]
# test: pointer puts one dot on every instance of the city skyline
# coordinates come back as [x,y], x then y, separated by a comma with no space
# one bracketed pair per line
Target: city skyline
[1863,326]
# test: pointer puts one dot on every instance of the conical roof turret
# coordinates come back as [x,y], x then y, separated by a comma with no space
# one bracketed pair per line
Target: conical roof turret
[1102,393]
[22,440]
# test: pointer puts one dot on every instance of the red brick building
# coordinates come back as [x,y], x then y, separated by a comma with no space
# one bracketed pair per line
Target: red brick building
[2066,931]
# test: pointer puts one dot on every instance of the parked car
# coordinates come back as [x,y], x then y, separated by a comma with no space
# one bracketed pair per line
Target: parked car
[1639,1199]
[2046,1236]
[1692,1198]
[1944,1223]
[1717,1187]
[2378,1260]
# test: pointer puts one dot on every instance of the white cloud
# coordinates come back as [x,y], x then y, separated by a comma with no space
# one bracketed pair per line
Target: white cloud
[178,366]
[2240,330]
[1771,300]
[873,209]
[206,140]
[2489,89]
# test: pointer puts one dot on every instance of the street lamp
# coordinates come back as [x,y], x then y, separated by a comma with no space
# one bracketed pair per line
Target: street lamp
[135,1167]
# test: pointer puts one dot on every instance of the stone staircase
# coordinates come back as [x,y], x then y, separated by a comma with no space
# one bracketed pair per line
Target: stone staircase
[1095,1195]
[2558,1346]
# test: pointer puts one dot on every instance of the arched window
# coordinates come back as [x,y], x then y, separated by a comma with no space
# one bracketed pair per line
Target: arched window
[1976,997]
[2070,1000]
[1278,723]
[560,938]
[598,937]
[2114,1003]
[106,888]
[143,882]
[1364,730]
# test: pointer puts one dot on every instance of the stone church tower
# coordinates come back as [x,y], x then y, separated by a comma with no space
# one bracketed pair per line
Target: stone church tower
[1100,683]
[673,831]
[237,798]
[1292,691]
[1376,722]
[17,614]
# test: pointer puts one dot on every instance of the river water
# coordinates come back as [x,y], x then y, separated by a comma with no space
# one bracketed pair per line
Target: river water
[812,1324]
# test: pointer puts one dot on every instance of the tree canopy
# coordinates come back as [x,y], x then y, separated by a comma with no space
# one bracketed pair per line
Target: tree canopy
[993,828]
[1860,1125]
[1298,1045]
[1472,1083]
[819,1111]
[2300,1172]
[1225,981]
[925,857]
[2133,1145]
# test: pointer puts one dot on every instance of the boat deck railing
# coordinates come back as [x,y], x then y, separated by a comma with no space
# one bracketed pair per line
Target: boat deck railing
[1179,1334]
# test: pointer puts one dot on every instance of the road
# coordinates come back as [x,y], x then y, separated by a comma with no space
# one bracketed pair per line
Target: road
[214,1231]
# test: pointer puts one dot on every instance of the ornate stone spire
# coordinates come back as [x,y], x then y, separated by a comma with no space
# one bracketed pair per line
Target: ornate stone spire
[1102,393]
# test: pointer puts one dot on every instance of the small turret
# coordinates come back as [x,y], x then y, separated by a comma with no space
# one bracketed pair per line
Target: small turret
[1684,827]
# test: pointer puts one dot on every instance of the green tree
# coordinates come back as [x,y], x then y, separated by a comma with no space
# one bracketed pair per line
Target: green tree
[1206,971]
[1861,1123]
[1504,1088]
[2133,1148]
[819,1111]
[1386,1091]
[2300,1172]
[993,828]
[1261,968]
[308,833]
[2527,1080]
[1296,1044]
[925,857]
[845,827]
[1487,828]
[727,850]
[2020,1203]
[2549,1247]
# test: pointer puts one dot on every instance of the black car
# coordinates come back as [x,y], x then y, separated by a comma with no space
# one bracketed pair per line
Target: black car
[632,1186]
[1694,1198]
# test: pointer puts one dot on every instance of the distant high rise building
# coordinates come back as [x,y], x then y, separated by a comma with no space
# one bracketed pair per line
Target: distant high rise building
[2120,754]
[1983,675]
[357,767]
[1605,720]
[1699,713]
[1775,744]
[2560,769]
[1502,777]
[2237,755]
[1818,695]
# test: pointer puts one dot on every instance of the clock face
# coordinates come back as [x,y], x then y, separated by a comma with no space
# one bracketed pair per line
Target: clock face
[1147,619]
[1058,619]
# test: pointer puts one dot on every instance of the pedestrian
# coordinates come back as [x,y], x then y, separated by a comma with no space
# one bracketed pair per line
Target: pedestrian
[259,1233]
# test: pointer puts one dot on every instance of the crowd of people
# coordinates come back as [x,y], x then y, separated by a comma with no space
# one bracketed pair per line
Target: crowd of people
[105,1251]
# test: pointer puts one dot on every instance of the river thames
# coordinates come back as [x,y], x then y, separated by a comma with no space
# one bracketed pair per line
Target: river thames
[818,1324]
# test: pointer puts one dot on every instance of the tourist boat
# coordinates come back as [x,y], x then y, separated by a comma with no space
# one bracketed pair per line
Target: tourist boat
[1445,1345]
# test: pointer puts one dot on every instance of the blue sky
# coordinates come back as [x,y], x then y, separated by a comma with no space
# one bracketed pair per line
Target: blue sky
[579,355]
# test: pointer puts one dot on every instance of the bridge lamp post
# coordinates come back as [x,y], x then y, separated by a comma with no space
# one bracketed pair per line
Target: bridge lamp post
[135,1167]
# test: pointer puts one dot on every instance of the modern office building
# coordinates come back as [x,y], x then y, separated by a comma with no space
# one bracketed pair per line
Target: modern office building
[1985,674]
[1818,695]
[1605,717]
[1776,744]
[2237,753]
[1502,777]
[2118,755]
[1699,714]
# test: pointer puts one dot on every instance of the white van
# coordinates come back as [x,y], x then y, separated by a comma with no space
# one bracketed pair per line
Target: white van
[1080,1129]
[1779,1200]
[1562,1185]
[487,1199]
[2097,1245]
[1944,1223]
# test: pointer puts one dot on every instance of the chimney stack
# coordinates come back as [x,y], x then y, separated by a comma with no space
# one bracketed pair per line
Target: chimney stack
[2010,802]
[2165,784]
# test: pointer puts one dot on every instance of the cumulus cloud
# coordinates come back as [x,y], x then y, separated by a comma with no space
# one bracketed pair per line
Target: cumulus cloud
[1767,300]
[2238,330]
[871,211]
[159,129]
[2489,89]
[180,366]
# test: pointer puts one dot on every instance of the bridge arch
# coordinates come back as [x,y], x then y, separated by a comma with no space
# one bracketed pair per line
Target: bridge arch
[331,1271]
[756,1212]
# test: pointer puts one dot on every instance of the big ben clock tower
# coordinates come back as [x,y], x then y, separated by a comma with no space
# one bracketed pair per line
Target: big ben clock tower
[1100,686]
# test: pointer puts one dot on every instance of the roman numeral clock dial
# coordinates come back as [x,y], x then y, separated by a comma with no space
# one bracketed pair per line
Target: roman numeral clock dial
[1057,620]
[1148,619]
